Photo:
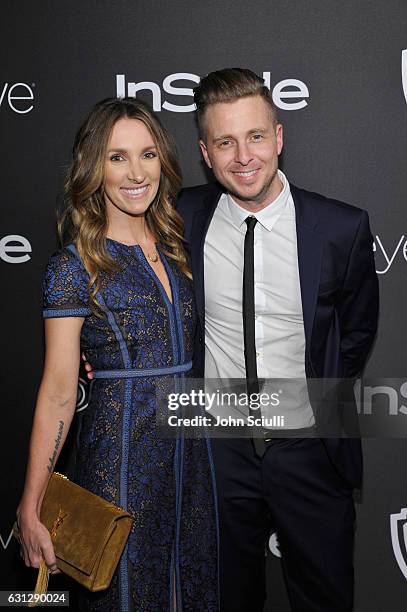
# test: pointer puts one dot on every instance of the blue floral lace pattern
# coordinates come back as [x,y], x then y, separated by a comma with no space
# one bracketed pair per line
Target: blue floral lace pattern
[156,334]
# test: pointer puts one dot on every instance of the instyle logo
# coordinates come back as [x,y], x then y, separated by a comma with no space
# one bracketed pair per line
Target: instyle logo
[17,97]
[398,530]
[15,249]
[288,94]
[5,542]
[274,545]
[404,71]
[387,254]
[394,396]
[83,395]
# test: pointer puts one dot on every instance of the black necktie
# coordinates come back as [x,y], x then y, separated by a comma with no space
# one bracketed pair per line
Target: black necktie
[249,328]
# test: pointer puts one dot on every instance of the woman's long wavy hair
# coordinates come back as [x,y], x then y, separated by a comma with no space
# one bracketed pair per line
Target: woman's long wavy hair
[84,219]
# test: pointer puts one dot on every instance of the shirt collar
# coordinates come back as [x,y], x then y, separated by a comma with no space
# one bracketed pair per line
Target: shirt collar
[266,217]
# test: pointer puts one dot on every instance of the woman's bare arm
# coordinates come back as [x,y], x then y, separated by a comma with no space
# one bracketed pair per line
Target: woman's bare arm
[54,411]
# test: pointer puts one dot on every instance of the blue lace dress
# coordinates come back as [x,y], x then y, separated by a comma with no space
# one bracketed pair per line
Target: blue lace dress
[167,485]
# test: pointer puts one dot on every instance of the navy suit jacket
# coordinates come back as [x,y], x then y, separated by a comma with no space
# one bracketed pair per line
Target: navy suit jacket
[339,292]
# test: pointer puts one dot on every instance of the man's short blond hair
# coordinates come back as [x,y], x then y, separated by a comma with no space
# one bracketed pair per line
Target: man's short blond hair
[228,85]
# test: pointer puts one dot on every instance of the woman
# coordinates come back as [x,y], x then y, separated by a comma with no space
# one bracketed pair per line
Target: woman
[121,292]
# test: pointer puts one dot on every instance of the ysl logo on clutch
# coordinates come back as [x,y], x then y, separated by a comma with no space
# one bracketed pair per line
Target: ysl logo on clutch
[57,523]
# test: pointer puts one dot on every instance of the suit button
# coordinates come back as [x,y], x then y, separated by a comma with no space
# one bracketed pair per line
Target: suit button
[200,339]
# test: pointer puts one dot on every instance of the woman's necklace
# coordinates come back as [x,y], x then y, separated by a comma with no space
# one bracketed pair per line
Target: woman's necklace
[153,257]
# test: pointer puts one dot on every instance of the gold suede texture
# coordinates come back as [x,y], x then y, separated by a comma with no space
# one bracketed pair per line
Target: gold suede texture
[91,533]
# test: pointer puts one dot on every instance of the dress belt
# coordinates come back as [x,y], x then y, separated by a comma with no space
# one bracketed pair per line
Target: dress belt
[137,372]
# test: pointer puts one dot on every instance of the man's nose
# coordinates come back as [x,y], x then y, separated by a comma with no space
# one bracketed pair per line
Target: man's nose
[243,153]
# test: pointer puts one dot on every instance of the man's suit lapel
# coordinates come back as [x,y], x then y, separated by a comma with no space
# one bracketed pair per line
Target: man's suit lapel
[310,249]
[200,225]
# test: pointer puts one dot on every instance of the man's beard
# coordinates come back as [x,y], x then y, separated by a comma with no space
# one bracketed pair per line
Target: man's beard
[260,196]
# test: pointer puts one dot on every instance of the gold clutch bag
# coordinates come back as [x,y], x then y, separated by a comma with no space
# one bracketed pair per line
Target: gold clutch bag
[88,533]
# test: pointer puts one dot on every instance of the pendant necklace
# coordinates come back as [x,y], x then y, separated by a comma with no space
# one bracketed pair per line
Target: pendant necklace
[153,257]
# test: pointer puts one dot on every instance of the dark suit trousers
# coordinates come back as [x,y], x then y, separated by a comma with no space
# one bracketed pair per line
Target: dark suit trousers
[296,489]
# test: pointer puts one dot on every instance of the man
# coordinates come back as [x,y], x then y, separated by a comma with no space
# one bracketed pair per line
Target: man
[305,268]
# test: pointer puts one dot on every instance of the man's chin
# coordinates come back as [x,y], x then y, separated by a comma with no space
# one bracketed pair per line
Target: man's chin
[255,196]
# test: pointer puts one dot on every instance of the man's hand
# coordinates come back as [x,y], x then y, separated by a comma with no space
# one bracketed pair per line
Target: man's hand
[88,368]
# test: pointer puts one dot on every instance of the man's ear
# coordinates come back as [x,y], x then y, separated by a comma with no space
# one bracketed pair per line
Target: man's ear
[279,137]
[204,152]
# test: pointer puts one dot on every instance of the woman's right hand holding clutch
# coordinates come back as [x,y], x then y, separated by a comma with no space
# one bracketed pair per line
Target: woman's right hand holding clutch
[35,541]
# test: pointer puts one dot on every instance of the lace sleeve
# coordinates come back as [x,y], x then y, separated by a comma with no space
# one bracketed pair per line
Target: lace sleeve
[65,289]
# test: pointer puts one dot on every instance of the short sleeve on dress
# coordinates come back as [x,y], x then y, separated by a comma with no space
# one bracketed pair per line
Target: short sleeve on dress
[65,288]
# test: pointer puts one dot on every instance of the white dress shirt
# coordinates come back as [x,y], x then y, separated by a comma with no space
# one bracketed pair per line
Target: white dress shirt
[280,338]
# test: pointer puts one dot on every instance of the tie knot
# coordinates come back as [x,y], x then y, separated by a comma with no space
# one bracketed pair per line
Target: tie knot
[250,222]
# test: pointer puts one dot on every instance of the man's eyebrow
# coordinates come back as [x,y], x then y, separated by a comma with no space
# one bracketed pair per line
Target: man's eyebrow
[252,131]
[257,131]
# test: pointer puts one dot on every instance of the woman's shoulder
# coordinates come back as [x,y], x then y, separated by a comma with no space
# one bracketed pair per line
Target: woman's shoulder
[65,260]
[64,254]
[65,282]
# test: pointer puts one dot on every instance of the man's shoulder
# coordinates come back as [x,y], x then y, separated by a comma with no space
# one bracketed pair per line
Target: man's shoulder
[195,197]
[329,214]
[325,206]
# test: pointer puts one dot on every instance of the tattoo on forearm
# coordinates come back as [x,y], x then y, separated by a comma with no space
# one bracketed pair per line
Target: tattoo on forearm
[57,445]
